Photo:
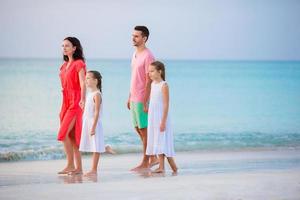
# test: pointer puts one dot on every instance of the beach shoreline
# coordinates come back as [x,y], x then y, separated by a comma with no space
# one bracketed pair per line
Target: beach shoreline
[267,174]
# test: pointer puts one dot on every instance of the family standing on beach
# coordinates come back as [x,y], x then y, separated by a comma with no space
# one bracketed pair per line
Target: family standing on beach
[81,112]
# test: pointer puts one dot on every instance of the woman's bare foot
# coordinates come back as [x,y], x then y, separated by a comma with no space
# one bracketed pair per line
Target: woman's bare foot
[75,172]
[66,170]
[91,173]
[158,170]
[109,150]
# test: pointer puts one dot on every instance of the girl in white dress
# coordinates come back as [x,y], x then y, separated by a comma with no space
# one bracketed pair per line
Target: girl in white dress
[160,135]
[92,138]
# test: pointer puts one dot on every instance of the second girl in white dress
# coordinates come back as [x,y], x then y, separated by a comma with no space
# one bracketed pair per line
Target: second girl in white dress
[160,135]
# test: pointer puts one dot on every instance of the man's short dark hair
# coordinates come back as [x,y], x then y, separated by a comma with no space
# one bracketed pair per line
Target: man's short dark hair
[144,30]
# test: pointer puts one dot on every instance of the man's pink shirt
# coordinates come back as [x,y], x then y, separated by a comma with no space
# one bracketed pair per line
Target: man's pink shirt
[139,70]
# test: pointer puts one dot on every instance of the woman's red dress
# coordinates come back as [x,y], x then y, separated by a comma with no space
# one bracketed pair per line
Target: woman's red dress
[71,91]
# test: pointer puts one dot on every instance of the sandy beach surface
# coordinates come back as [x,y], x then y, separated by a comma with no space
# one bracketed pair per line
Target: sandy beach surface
[259,174]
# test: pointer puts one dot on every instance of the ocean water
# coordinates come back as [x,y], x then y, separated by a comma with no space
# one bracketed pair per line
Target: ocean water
[215,105]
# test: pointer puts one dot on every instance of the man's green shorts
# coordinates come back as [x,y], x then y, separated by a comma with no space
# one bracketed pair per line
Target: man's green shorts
[139,117]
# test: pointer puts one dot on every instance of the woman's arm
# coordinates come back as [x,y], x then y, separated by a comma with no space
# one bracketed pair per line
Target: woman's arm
[81,75]
[165,95]
[97,100]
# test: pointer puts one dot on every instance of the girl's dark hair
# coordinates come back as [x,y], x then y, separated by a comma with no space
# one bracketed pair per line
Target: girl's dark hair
[78,54]
[159,66]
[97,76]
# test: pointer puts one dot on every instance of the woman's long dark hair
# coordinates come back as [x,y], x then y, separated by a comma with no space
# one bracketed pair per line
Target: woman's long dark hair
[78,54]
[97,76]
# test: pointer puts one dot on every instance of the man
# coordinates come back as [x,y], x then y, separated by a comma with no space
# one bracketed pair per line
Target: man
[140,90]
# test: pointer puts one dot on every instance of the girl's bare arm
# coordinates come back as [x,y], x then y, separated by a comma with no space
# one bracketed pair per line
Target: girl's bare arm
[165,95]
[97,100]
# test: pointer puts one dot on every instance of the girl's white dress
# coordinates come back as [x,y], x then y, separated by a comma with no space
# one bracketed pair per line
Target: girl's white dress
[158,142]
[88,142]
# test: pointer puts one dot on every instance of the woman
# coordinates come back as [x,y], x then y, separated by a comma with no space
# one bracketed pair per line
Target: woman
[72,76]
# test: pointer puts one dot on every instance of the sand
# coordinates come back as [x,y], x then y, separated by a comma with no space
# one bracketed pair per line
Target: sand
[260,174]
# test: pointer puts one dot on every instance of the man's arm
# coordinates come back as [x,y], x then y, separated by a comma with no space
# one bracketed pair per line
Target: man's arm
[147,92]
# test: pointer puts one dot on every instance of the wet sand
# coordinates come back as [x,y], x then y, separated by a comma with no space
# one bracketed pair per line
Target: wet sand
[259,174]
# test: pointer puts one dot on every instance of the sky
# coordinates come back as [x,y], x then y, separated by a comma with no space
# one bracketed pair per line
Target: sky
[179,29]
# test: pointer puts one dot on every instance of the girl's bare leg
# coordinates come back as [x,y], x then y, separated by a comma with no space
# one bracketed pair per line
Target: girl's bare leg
[172,164]
[96,157]
[153,161]
[109,149]
[161,167]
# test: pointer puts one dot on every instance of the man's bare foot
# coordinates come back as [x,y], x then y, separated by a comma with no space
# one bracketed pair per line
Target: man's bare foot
[91,173]
[109,150]
[158,170]
[66,170]
[140,167]
[75,172]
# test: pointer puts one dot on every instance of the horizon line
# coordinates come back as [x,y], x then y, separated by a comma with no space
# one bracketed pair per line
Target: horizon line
[168,59]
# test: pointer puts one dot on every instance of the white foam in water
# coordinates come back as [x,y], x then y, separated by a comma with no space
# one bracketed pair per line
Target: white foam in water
[214,105]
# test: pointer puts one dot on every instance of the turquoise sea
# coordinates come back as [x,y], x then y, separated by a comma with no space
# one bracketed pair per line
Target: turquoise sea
[215,105]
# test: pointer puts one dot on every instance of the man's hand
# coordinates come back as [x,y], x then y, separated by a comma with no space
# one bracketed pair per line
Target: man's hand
[146,107]
[128,104]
